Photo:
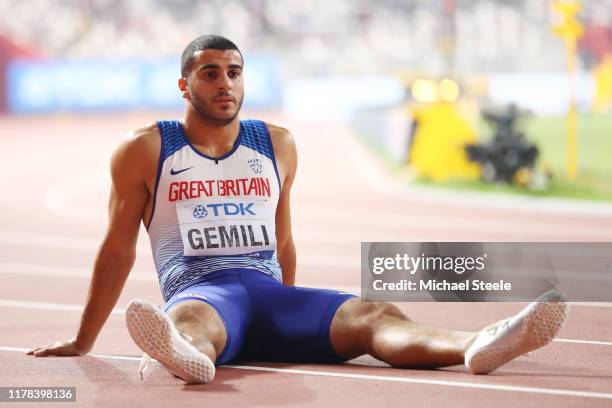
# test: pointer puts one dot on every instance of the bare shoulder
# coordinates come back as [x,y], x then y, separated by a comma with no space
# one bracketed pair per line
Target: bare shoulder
[146,137]
[139,152]
[284,151]
[282,139]
[139,142]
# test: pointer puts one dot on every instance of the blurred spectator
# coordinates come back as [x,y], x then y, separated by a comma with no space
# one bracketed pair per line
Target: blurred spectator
[313,36]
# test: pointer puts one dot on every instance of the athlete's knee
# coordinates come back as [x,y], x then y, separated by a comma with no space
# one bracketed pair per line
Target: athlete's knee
[356,323]
[187,311]
[366,315]
[193,315]
[382,310]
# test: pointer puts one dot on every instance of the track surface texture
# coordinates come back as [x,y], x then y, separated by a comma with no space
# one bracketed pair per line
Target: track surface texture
[55,180]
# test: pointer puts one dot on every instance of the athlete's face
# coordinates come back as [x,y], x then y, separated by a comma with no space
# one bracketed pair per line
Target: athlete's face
[214,86]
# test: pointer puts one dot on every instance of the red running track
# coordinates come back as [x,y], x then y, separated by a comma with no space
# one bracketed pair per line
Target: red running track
[55,183]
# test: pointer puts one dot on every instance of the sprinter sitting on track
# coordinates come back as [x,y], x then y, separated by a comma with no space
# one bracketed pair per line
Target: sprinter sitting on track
[213,192]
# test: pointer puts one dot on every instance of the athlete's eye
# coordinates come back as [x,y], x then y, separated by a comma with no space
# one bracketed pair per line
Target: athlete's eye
[210,74]
[233,74]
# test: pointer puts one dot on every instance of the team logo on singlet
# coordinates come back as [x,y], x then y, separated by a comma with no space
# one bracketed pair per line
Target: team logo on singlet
[200,211]
[256,165]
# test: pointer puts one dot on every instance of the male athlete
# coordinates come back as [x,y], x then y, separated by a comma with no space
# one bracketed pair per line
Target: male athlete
[214,192]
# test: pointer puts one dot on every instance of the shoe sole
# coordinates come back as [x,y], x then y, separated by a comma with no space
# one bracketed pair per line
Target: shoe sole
[151,331]
[541,326]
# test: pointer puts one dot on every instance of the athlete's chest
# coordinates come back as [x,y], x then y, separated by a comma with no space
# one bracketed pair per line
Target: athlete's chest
[224,206]
[246,173]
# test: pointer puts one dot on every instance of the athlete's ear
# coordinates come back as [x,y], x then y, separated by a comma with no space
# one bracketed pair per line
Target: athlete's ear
[182,84]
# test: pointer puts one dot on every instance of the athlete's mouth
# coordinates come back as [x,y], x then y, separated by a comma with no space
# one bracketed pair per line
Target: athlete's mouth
[223,99]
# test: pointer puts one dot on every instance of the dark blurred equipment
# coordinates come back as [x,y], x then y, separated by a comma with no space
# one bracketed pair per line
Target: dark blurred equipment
[508,152]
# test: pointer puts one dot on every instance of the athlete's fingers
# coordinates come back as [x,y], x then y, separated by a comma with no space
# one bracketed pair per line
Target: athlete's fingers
[41,353]
[35,349]
[57,350]
[45,350]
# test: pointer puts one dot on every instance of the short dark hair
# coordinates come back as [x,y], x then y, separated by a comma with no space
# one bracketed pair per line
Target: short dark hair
[204,42]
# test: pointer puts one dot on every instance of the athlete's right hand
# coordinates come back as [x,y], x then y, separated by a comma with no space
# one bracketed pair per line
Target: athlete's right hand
[59,348]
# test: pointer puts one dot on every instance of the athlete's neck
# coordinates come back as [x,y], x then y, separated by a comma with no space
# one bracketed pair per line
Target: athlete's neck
[212,139]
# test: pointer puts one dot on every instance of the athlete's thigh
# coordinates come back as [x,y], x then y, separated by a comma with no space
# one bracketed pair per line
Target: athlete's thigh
[291,323]
[223,295]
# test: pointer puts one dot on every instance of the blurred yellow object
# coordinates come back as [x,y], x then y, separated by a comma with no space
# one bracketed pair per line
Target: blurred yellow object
[522,177]
[448,90]
[428,90]
[424,90]
[437,152]
[602,99]
[567,27]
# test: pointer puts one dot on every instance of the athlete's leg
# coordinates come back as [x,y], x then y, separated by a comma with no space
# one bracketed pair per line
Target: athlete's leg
[214,314]
[155,333]
[199,327]
[317,325]
[202,324]
[289,323]
[383,331]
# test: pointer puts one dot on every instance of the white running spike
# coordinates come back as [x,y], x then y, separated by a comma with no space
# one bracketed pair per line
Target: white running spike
[535,326]
[155,334]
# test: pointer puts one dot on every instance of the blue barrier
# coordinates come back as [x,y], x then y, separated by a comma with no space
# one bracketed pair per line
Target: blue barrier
[82,85]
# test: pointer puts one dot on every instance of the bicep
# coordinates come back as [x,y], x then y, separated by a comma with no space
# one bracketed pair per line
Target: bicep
[283,212]
[283,219]
[128,198]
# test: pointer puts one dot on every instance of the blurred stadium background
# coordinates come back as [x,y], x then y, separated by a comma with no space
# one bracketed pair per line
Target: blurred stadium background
[382,97]
[411,77]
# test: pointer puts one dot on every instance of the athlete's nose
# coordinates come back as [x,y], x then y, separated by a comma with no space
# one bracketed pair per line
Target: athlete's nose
[225,83]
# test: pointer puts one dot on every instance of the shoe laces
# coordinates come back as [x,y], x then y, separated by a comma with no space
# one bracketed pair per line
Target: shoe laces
[503,324]
[146,359]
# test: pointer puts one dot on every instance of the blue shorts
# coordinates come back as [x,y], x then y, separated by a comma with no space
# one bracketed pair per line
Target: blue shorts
[266,320]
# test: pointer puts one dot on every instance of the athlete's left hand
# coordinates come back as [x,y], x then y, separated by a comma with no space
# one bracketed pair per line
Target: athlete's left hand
[64,348]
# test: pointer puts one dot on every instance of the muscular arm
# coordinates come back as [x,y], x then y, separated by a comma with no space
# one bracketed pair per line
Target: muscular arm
[286,159]
[287,257]
[116,255]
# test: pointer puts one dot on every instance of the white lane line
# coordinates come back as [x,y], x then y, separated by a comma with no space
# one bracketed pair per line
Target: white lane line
[594,342]
[430,381]
[85,273]
[13,268]
[427,381]
[591,304]
[19,304]
[105,356]
[88,244]
[8,268]
[34,239]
